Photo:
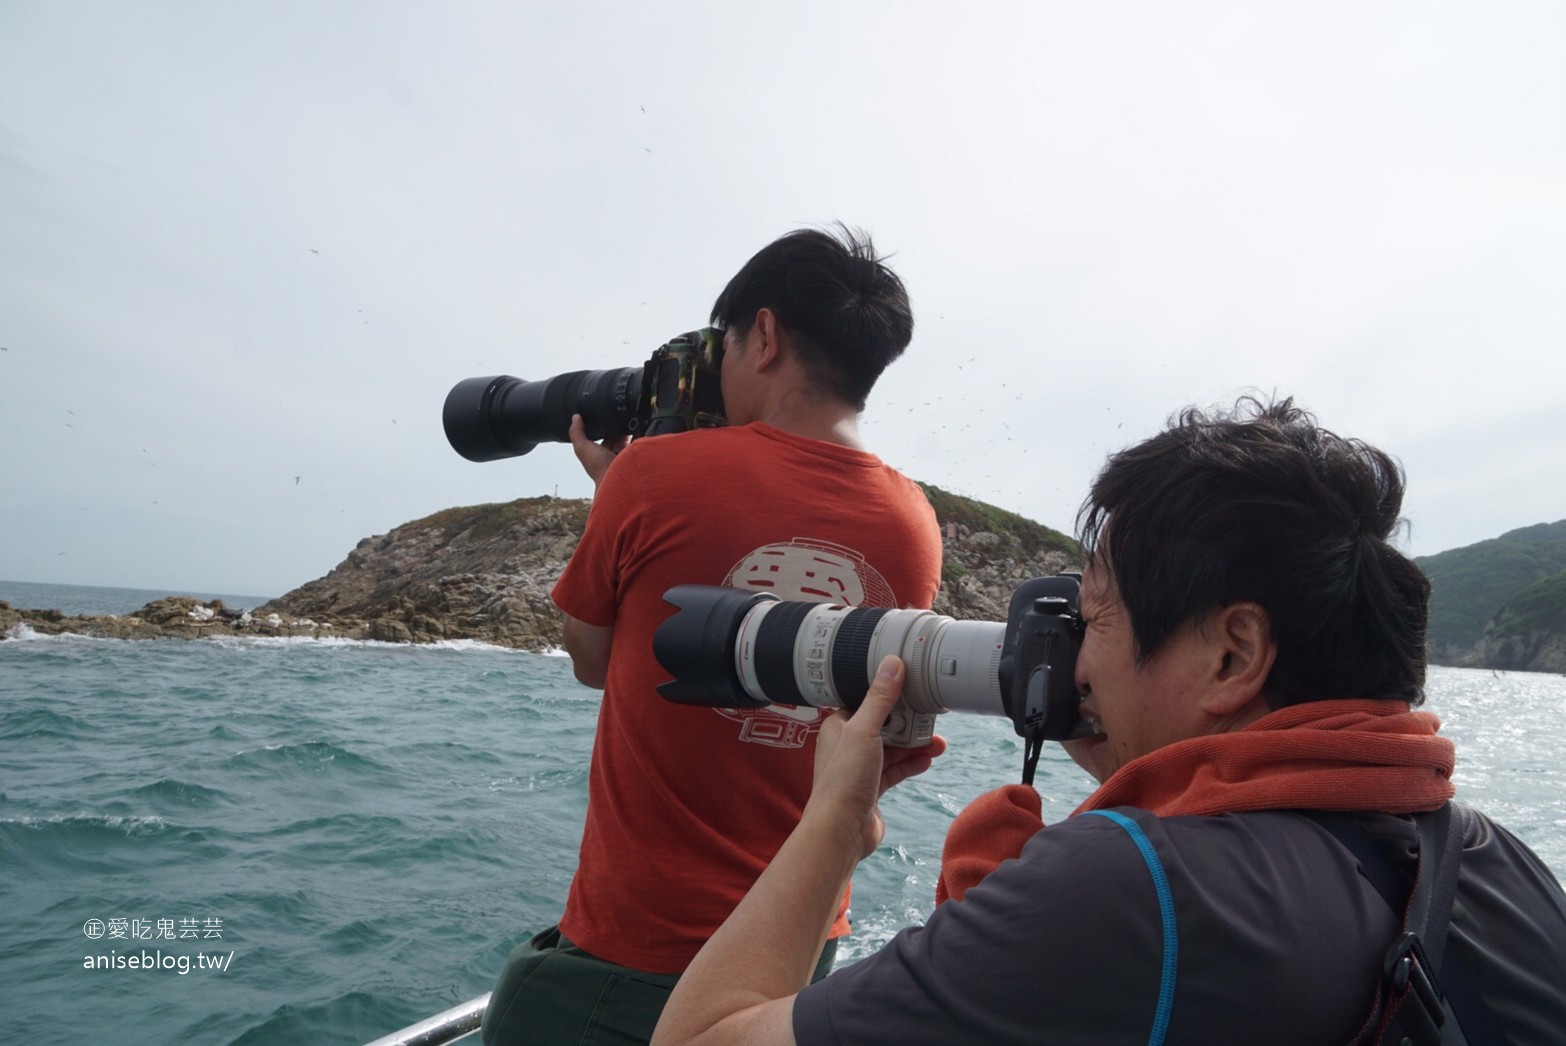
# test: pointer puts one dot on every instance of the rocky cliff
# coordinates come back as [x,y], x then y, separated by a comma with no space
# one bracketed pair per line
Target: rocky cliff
[1528,633]
[484,573]
[481,573]
[1533,652]
[1500,603]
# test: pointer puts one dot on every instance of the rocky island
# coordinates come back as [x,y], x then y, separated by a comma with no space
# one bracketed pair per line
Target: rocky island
[484,573]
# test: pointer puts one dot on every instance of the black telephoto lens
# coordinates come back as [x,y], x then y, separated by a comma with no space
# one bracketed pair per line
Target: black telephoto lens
[487,419]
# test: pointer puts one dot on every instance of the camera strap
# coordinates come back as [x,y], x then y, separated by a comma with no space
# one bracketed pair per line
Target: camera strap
[1032,746]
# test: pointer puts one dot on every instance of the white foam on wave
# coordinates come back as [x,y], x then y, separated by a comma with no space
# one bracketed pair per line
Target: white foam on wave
[467,644]
[130,825]
[21,632]
[239,639]
[24,633]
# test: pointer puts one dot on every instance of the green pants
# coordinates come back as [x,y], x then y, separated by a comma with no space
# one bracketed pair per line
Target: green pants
[552,992]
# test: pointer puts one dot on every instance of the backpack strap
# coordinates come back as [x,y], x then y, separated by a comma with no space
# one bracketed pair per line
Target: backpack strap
[1420,999]
[1166,915]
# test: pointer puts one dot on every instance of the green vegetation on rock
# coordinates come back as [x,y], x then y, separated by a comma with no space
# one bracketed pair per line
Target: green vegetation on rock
[1541,607]
[479,522]
[987,551]
[1034,539]
[1469,585]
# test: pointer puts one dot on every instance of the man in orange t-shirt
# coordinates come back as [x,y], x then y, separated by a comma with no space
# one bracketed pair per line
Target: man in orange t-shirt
[687,805]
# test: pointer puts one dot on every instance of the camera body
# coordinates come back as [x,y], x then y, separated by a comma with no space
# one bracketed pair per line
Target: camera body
[734,648]
[676,390]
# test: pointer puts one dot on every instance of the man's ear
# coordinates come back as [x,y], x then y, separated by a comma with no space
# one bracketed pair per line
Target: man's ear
[769,339]
[1243,652]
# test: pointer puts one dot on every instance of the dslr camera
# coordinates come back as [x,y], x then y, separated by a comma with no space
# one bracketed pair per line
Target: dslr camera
[487,419]
[736,648]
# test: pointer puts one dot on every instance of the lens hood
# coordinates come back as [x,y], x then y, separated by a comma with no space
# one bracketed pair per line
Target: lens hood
[696,646]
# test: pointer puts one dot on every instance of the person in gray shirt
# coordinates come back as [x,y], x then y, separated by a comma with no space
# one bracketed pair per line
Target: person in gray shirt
[1252,660]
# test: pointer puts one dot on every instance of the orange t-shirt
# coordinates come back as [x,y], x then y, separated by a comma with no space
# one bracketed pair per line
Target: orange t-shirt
[687,805]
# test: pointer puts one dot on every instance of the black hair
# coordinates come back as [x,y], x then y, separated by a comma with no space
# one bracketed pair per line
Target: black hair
[846,313]
[1260,504]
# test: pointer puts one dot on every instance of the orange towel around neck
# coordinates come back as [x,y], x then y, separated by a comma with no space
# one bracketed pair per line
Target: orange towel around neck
[1321,755]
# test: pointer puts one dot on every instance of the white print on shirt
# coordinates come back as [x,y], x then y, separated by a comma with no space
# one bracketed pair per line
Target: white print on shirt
[815,571]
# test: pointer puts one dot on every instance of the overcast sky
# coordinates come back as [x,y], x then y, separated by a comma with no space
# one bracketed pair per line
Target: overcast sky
[246,248]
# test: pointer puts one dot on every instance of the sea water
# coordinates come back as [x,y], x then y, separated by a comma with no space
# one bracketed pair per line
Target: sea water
[276,841]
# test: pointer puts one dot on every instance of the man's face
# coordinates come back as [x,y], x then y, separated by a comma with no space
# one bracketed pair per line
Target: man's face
[1136,708]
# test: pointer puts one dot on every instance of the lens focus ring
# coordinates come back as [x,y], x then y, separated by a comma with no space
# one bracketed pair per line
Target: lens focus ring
[851,654]
[775,652]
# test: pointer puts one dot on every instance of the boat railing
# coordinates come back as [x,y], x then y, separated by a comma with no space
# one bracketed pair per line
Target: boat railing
[450,1025]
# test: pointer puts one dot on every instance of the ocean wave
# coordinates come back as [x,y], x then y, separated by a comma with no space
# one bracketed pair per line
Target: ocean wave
[109,837]
[457,844]
[181,793]
[460,645]
[874,928]
[313,756]
[21,632]
[223,732]
[239,640]
[31,724]
[569,695]
[338,1019]
[356,937]
[544,781]
[46,847]
[444,753]
[470,644]
[334,840]
[125,826]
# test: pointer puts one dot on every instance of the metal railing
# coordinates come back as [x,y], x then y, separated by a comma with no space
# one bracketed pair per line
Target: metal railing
[446,1026]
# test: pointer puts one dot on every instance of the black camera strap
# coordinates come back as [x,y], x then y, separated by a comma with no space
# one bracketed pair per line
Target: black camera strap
[1032,746]
[1421,1000]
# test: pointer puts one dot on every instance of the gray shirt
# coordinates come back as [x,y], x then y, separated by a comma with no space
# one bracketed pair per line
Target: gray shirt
[1276,938]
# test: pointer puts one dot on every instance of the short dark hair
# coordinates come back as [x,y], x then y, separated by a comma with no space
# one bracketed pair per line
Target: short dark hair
[846,313]
[1260,504]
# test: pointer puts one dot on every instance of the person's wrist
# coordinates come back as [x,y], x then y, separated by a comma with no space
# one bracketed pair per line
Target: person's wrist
[840,828]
